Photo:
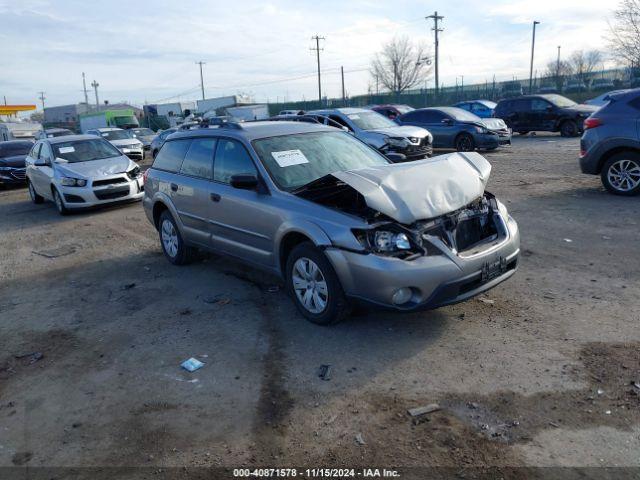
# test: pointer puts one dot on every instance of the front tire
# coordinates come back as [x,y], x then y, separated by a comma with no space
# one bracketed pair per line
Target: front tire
[173,246]
[621,174]
[465,143]
[35,198]
[59,202]
[568,128]
[314,286]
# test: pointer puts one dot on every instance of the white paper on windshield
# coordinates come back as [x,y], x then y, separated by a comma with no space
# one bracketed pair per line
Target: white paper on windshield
[354,117]
[288,158]
[67,149]
[105,134]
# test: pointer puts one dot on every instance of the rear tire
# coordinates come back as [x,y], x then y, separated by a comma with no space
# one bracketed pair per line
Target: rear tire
[35,198]
[173,246]
[314,286]
[465,143]
[569,128]
[621,174]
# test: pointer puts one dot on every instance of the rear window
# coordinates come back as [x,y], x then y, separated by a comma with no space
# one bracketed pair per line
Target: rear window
[199,159]
[171,155]
[11,149]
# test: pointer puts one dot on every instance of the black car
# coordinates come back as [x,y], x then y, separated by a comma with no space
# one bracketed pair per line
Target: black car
[12,156]
[610,146]
[543,113]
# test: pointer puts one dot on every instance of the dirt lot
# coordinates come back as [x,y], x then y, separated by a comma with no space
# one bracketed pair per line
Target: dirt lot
[537,374]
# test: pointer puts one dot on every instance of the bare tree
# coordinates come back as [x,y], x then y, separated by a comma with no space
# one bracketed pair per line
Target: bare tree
[624,35]
[558,69]
[583,63]
[401,65]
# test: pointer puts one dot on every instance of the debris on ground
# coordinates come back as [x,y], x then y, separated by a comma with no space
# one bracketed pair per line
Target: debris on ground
[217,300]
[273,289]
[472,405]
[186,311]
[568,240]
[487,301]
[57,252]
[420,411]
[192,364]
[324,372]
[128,286]
[554,424]
[223,301]
[33,357]
[360,440]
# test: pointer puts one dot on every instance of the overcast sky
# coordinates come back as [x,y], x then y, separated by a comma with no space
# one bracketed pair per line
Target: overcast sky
[142,51]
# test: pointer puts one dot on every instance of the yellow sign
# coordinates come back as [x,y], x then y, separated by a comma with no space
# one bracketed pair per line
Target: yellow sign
[14,109]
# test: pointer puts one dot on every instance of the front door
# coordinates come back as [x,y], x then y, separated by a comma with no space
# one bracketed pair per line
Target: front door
[43,174]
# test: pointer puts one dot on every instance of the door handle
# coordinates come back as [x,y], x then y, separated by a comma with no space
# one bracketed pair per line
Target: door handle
[174,187]
[214,197]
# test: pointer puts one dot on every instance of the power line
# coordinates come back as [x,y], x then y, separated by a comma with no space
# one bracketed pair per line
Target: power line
[42,99]
[201,78]
[436,30]
[317,49]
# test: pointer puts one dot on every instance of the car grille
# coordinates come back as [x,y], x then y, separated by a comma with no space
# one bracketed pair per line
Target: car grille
[18,173]
[109,181]
[423,149]
[111,193]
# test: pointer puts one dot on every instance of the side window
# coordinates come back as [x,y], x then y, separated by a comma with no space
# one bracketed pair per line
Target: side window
[199,159]
[338,120]
[35,150]
[231,159]
[538,105]
[45,153]
[522,105]
[433,116]
[171,154]
[410,116]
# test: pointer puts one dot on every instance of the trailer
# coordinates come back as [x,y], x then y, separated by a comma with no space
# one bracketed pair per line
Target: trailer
[249,112]
[108,118]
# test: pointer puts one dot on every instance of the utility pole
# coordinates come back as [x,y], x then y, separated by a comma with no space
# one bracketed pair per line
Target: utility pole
[558,64]
[95,86]
[436,18]
[533,46]
[318,49]
[201,77]
[344,98]
[84,88]
[42,99]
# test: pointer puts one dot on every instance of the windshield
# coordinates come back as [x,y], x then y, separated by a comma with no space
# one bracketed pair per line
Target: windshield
[84,150]
[463,115]
[142,132]
[560,101]
[11,149]
[115,134]
[296,160]
[370,120]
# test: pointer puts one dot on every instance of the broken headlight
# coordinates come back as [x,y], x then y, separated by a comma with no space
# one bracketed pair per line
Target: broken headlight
[134,172]
[397,142]
[386,242]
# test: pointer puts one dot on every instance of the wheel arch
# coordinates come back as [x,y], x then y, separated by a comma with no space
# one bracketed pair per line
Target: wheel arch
[614,151]
[289,237]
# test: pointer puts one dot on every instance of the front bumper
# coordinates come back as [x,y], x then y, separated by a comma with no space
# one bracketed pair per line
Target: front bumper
[435,281]
[92,196]
[133,153]
[487,140]
[13,176]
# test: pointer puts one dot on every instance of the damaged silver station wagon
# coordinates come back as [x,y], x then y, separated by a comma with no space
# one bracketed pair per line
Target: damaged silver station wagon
[332,216]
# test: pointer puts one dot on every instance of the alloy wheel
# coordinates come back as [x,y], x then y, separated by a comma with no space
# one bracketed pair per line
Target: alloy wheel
[58,201]
[169,238]
[465,144]
[310,285]
[624,175]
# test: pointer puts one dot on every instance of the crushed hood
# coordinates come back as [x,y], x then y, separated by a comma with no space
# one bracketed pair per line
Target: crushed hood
[424,189]
[96,168]
[494,123]
[402,131]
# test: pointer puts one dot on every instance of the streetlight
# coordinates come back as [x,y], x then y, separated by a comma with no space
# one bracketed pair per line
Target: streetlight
[533,46]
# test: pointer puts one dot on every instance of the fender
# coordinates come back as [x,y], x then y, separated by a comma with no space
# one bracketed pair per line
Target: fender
[166,201]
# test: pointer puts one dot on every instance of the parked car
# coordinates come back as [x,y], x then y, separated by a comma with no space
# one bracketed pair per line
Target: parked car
[291,112]
[602,84]
[145,135]
[548,113]
[400,143]
[512,89]
[549,88]
[480,108]
[121,139]
[453,127]
[610,145]
[332,216]
[12,157]
[603,99]
[575,86]
[159,140]
[80,171]
[53,132]
[391,111]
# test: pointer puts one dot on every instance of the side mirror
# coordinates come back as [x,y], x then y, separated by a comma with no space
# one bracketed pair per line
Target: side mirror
[396,157]
[244,182]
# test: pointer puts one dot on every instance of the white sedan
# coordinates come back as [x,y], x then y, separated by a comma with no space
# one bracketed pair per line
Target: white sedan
[81,171]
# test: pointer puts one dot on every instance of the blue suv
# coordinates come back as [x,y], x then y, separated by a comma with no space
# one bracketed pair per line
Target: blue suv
[610,145]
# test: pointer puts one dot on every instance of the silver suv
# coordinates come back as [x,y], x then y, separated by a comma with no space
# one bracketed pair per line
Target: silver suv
[332,216]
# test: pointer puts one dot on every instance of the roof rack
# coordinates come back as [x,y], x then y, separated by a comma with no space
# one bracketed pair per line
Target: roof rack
[310,118]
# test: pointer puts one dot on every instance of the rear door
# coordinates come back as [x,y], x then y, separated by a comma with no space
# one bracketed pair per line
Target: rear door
[542,115]
[243,221]
[518,115]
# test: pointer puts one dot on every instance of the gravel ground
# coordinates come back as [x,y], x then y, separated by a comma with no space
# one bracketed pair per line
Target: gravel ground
[536,373]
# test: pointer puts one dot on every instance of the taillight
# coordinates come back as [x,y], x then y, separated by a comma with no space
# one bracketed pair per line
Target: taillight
[592,122]
[144,176]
